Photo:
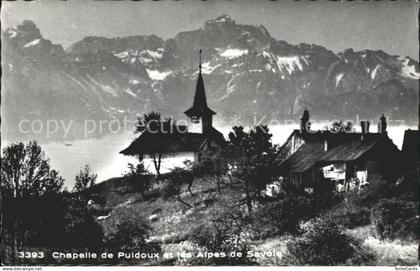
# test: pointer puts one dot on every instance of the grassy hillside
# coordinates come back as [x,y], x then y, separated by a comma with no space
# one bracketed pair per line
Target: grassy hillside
[172,220]
[174,224]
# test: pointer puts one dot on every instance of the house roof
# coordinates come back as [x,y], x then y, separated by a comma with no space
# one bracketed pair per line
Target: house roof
[302,159]
[342,147]
[172,142]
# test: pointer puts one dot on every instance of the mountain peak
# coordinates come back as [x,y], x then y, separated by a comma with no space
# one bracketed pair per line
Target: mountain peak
[224,19]
[248,74]
[27,37]
[26,31]
[27,25]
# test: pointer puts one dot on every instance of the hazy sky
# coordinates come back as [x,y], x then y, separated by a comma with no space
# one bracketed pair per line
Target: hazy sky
[387,25]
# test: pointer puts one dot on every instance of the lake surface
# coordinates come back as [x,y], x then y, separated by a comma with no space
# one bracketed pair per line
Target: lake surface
[105,160]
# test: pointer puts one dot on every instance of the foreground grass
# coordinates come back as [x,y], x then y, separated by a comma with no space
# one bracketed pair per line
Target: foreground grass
[388,252]
[173,222]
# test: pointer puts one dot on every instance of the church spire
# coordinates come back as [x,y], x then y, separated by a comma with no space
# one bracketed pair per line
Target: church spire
[199,65]
[199,109]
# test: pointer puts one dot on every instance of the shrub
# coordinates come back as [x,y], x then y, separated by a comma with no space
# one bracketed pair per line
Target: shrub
[393,219]
[214,166]
[131,235]
[208,236]
[408,187]
[80,228]
[275,218]
[283,215]
[225,234]
[179,177]
[85,179]
[138,177]
[310,205]
[375,191]
[350,215]
[313,205]
[324,243]
[354,211]
[168,190]
[45,223]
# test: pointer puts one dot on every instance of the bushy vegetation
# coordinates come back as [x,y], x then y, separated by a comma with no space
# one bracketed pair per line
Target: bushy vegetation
[393,218]
[275,218]
[324,243]
[214,167]
[351,212]
[131,235]
[350,215]
[85,179]
[177,179]
[408,187]
[138,177]
[218,206]
[226,234]
[37,213]
[376,190]
[54,221]
[283,214]
[26,172]
[245,164]
[355,210]
[251,156]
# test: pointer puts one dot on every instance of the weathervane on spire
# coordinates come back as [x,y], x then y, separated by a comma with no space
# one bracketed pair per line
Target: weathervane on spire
[199,65]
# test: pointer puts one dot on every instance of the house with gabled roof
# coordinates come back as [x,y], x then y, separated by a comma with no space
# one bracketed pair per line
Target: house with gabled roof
[337,160]
[176,143]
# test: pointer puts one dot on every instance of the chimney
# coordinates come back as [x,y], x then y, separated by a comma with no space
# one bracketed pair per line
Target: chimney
[325,145]
[382,125]
[305,125]
[365,127]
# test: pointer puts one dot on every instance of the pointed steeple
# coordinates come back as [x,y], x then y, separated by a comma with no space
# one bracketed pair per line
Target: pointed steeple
[199,61]
[201,116]
[199,108]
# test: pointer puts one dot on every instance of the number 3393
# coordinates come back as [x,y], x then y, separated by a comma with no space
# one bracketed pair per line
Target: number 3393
[31,255]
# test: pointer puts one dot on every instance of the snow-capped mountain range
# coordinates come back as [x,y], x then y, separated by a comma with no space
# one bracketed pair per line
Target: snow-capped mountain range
[247,73]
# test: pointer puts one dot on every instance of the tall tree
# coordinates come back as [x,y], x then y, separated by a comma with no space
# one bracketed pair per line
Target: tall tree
[139,177]
[251,156]
[85,179]
[158,143]
[212,165]
[26,173]
[149,122]
[179,177]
